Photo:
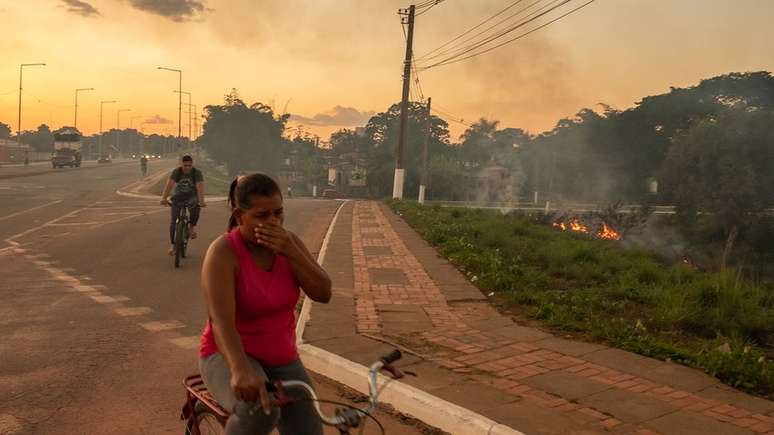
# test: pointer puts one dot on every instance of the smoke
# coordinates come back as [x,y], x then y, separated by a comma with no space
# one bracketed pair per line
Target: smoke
[81,8]
[337,116]
[652,234]
[175,10]
[157,119]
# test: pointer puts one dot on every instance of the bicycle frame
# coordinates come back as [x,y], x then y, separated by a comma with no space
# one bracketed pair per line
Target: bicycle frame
[344,418]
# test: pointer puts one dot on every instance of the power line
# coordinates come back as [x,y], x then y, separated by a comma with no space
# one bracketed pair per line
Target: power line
[456,58]
[471,29]
[434,3]
[545,9]
[461,45]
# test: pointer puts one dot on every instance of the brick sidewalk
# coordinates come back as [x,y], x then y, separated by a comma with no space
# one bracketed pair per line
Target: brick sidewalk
[391,287]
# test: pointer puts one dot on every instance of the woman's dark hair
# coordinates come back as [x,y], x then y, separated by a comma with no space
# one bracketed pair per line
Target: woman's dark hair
[245,186]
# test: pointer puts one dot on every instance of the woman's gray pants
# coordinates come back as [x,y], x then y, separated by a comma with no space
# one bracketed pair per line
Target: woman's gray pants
[297,418]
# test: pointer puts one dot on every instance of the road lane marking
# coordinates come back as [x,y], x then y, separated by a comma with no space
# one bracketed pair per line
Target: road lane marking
[157,326]
[188,343]
[12,239]
[70,224]
[29,210]
[109,299]
[133,311]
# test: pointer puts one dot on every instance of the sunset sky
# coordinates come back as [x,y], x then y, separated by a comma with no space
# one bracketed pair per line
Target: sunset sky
[336,62]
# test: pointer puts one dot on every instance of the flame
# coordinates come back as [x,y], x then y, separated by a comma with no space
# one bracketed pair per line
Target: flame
[561,226]
[608,233]
[575,224]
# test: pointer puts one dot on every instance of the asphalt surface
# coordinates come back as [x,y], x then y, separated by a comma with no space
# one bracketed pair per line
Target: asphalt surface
[97,328]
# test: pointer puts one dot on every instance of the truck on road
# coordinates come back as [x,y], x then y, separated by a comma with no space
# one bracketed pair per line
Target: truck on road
[67,148]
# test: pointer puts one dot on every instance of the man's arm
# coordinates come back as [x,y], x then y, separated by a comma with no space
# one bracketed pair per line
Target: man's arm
[200,188]
[168,188]
[200,193]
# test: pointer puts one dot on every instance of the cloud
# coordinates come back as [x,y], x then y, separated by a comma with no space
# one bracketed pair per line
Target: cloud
[175,10]
[81,8]
[157,119]
[338,116]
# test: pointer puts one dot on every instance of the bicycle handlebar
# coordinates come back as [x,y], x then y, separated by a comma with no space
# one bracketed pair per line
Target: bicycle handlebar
[346,417]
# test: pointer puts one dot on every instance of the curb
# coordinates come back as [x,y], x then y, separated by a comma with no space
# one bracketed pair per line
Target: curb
[135,187]
[403,397]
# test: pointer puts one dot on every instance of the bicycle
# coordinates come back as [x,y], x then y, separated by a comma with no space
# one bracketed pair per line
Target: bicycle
[203,415]
[182,234]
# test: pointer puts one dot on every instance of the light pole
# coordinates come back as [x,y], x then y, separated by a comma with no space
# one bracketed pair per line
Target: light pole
[75,121]
[189,111]
[21,72]
[179,99]
[101,106]
[131,126]
[118,125]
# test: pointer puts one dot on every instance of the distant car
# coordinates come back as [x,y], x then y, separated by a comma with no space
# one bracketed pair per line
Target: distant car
[134,156]
[105,159]
[332,194]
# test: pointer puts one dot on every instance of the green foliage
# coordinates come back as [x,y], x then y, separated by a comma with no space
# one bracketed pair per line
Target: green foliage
[5,131]
[628,298]
[245,138]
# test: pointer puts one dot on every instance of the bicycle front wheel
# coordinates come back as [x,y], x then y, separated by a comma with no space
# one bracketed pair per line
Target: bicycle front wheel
[206,421]
[179,242]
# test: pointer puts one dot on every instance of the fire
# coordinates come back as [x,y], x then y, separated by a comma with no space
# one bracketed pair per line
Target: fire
[575,224]
[608,233]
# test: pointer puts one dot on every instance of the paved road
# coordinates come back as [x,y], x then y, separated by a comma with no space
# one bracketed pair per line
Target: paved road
[96,327]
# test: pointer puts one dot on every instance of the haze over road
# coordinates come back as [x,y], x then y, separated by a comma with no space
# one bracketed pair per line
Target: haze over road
[97,328]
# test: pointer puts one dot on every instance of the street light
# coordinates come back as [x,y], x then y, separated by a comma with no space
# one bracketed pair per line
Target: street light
[21,71]
[179,98]
[75,122]
[101,106]
[118,125]
[189,111]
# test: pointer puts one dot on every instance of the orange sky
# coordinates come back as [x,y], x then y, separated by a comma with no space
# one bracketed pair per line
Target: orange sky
[336,61]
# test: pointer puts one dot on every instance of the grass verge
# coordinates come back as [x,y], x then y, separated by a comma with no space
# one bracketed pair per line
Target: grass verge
[216,181]
[630,299]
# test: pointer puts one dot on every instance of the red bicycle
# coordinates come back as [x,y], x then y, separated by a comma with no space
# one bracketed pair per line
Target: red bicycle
[204,416]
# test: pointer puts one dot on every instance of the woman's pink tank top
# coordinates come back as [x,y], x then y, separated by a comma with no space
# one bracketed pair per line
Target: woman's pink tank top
[265,309]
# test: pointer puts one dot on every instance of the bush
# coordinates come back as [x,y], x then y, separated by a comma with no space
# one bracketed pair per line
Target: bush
[628,298]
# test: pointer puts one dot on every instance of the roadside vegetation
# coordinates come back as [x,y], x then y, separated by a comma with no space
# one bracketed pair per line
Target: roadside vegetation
[216,181]
[720,322]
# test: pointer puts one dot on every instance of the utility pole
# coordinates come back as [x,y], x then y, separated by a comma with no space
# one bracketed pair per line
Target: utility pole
[118,127]
[423,180]
[397,187]
[189,111]
[179,100]
[21,73]
[75,121]
[101,106]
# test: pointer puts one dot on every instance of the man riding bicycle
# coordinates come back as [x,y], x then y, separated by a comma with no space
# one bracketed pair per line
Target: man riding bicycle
[189,192]
[144,165]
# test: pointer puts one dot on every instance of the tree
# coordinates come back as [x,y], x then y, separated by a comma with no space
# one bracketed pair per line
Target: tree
[244,138]
[41,140]
[722,166]
[5,131]
[382,133]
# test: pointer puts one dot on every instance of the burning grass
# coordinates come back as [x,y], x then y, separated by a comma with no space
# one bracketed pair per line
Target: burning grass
[627,298]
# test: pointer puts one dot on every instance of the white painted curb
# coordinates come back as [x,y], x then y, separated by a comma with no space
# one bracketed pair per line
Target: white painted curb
[134,187]
[404,398]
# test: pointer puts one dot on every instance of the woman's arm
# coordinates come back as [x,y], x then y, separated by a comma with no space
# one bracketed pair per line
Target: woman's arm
[313,279]
[219,292]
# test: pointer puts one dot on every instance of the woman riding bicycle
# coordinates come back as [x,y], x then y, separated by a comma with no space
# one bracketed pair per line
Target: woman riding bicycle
[251,278]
